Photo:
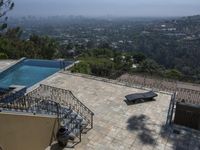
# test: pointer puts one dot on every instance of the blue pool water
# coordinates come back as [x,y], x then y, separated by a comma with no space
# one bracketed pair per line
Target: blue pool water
[29,72]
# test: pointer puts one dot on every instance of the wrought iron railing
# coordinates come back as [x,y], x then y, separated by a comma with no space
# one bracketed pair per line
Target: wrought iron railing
[72,113]
[187,115]
[31,105]
[51,101]
[159,85]
[171,110]
[46,99]
[72,123]
[6,94]
[188,96]
[182,107]
[12,94]
[149,82]
[37,105]
[64,98]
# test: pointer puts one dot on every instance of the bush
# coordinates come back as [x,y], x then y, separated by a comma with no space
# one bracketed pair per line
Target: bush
[3,56]
[150,66]
[101,67]
[173,74]
[81,67]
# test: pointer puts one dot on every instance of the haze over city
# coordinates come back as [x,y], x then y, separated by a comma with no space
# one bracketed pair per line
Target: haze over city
[136,8]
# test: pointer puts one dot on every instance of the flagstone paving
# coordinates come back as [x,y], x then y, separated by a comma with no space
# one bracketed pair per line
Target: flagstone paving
[118,126]
[6,63]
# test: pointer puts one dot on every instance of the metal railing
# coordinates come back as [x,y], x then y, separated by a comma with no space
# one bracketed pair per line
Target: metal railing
[46,100]
[4,95]
[149,82]
[188,96]
[72,113]
[64,98]
[162,86]
[33,105]
[52,101]
[182,107]
[37,105]
[62,64]
[187,115]
[12,94]
[171,110]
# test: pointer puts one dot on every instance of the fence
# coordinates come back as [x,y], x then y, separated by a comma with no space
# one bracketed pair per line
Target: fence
[64,98]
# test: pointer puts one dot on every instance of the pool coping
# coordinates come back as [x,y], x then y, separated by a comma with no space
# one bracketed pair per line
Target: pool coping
[38,83]
[31,88]
[13,64]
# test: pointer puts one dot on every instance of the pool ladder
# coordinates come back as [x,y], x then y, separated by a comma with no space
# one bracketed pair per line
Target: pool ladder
[62,65]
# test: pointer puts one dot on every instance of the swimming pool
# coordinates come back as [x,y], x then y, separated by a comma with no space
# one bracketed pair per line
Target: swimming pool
[30,71]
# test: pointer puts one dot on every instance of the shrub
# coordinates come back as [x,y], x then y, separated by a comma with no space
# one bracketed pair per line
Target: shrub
[3,56]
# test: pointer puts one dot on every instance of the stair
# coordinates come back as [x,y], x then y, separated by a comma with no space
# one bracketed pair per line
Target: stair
[72,114]
[74,123]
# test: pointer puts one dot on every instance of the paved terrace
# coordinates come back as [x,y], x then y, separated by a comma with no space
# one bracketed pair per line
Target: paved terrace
[121,126]
[6,63]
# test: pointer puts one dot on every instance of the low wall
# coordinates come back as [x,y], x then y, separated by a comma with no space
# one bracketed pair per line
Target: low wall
[47,63]
[187,115]
[23,132]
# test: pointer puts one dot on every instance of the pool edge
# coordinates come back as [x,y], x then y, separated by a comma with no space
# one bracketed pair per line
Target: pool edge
[13,64]
[31,88]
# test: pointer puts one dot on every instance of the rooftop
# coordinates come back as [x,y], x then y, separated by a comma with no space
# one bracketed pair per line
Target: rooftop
[116,124]
[121,126]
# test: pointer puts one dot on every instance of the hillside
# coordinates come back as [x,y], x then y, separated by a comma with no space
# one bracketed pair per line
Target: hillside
[171,42]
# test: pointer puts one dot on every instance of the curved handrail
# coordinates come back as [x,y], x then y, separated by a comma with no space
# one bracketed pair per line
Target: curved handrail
[65,98]
[70,92]
[81,103]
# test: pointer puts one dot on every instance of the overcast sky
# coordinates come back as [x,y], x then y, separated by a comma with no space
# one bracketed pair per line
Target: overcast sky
[136,8]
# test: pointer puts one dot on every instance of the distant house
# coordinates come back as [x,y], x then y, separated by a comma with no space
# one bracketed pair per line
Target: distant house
[134,66]
[71,52]
[163,25]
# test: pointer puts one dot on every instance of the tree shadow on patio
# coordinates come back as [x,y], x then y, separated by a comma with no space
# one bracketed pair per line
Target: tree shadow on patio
[56,147]
[180,139]
[139,124]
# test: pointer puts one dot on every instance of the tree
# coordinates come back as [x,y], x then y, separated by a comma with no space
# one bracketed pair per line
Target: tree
[45,47]
[13,33]
[82,67]
[5,6]
[35,47]
[104,45]
[150,66]
[138,57]
[101,67]
[3,56]
[173,73]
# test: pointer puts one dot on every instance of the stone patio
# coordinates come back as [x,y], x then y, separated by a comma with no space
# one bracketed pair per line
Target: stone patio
[120,126]
[6,63]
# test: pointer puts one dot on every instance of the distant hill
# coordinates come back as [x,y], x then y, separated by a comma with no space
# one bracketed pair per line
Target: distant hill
[174,43]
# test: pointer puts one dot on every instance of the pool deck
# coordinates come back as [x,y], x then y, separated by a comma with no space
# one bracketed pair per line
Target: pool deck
[6,63]
[118,126]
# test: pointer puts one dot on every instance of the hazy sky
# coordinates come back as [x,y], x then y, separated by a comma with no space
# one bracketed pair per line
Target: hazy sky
[106,7]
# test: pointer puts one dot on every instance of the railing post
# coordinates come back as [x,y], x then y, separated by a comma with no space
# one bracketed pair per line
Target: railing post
[63,65]
[173,103]
[58,113]
[92,121]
